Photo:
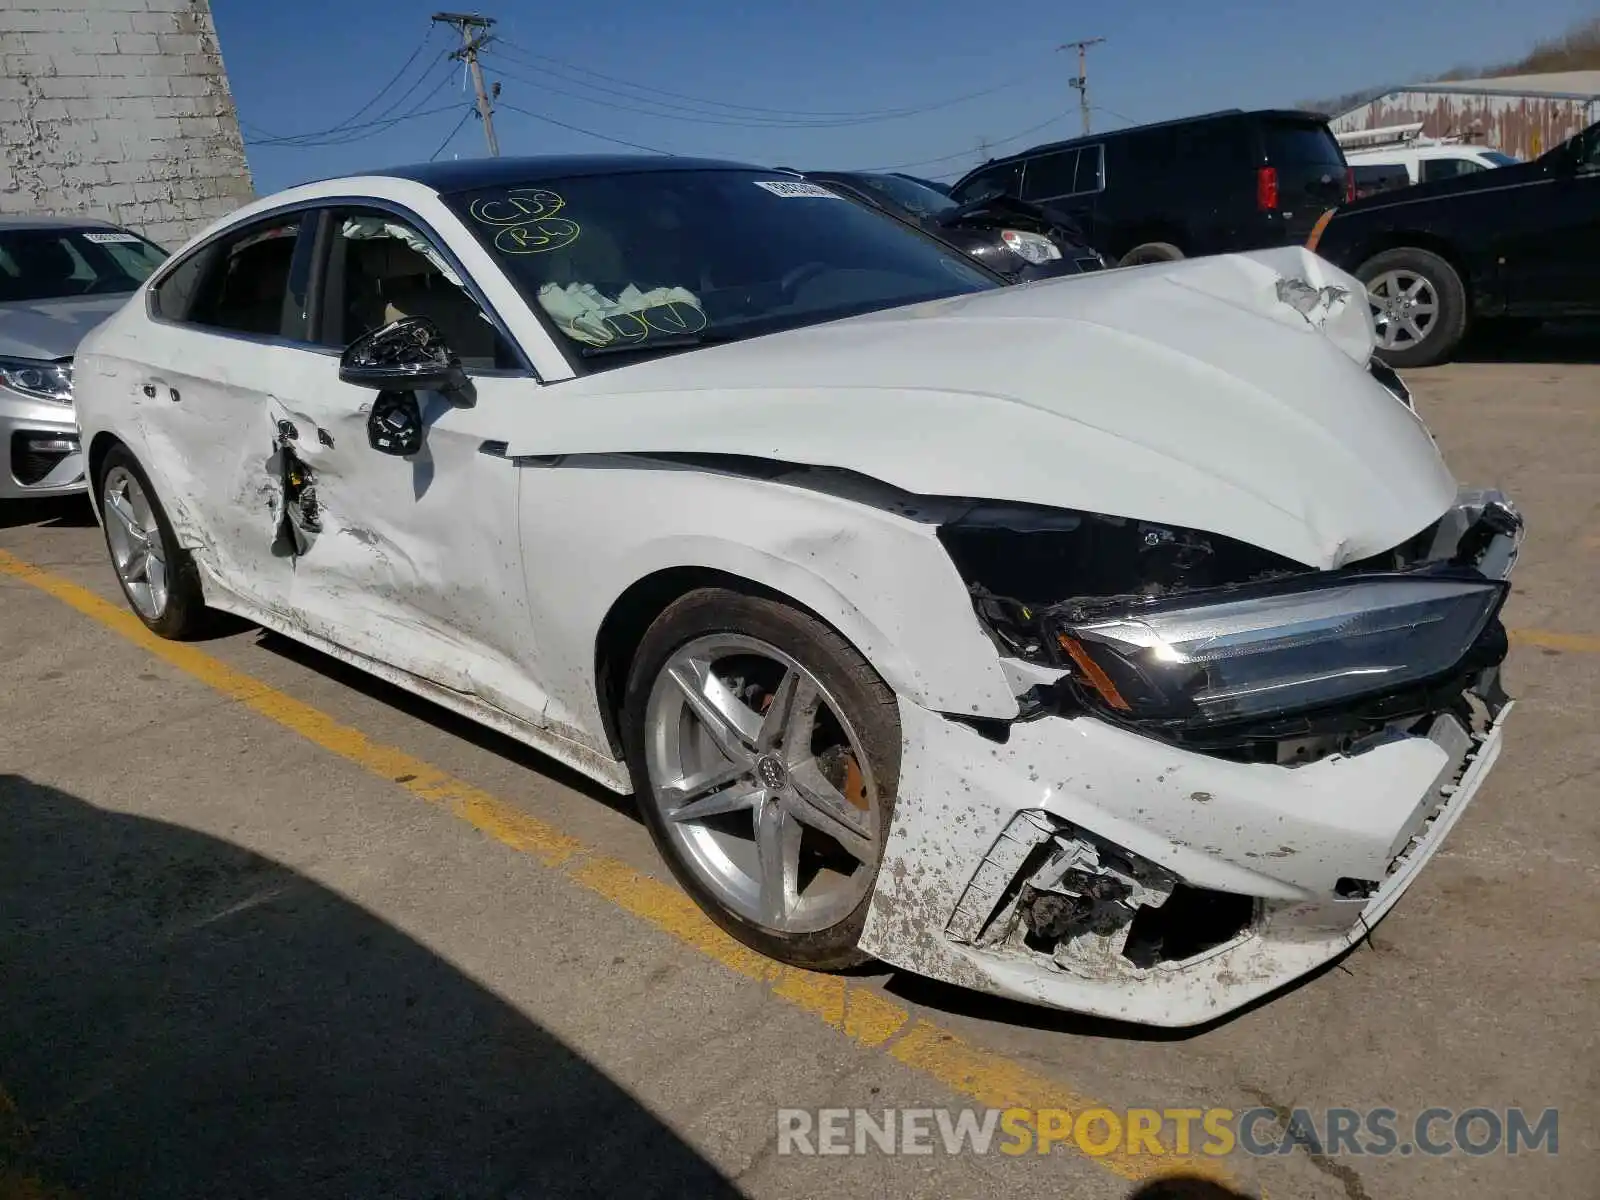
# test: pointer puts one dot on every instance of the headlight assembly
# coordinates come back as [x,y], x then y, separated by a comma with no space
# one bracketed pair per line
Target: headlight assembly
[38,380]
[1269,651]
[1034,247]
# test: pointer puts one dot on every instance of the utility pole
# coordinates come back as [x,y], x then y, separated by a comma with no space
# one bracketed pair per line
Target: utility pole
[1081,81]
[474,37]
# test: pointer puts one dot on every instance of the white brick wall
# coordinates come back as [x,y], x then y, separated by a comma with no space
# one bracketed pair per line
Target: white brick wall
[118,109]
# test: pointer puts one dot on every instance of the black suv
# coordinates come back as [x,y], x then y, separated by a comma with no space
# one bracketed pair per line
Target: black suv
[1517,243]
[1011,237]
[1203,185]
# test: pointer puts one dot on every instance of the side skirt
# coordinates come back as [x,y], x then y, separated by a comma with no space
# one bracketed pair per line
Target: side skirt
[600,767]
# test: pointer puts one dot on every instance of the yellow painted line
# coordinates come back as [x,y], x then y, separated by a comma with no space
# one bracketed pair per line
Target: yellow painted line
[851,1008]
[1582,643]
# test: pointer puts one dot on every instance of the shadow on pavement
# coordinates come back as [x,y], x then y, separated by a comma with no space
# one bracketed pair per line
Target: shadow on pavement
[184,1018]
[440,717]
[1554,342]
[58,512]
[1186,1187]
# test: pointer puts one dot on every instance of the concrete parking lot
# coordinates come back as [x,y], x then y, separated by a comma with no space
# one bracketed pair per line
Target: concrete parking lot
[269,927]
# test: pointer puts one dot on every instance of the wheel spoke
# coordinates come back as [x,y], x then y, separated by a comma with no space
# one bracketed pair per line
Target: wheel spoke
[775,723]
[778,855]
[117,506]
[692,787]
[731,799]
[1417,286]
[1409,324]
[155,574]
[715,706]
[815,802]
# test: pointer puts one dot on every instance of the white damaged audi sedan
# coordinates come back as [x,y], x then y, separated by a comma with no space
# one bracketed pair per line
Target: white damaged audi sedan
[1119,643]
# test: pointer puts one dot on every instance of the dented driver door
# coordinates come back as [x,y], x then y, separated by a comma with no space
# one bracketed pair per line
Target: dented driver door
[414,562]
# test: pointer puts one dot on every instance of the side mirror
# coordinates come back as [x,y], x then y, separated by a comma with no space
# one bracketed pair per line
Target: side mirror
[408,355]
[395,424]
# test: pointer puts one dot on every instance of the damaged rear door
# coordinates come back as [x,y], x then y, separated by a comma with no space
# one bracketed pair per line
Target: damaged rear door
[413,560]
[229,317]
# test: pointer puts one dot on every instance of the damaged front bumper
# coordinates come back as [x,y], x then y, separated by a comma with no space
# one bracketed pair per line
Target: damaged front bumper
[1075,862]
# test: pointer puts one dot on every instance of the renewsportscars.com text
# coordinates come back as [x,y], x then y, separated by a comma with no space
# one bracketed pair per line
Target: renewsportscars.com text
[1213,1132]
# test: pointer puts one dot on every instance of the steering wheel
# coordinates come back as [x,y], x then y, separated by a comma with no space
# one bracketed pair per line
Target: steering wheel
[792,279]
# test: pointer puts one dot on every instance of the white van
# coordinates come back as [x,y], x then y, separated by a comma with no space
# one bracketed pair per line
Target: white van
[1399,156]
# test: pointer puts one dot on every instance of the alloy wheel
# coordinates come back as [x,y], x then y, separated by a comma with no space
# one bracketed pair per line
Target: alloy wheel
[762,784]
[1405,306]
[134,536]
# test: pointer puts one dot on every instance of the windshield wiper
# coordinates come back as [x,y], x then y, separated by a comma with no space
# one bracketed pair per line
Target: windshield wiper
[676,341]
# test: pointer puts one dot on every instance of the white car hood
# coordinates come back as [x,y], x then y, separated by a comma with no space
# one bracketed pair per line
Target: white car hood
[1199,393]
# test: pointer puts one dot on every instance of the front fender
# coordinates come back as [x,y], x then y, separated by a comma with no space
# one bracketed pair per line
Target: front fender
[881,579]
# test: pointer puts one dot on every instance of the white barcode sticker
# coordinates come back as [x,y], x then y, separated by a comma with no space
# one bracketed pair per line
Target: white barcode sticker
[102,237]
[794,189]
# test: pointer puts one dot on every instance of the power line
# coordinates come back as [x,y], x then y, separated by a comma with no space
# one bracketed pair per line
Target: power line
[268,136]
[693,118]
[351,134]
[355,133]
[1015,137]
[451,136]
[772,117]
[604,137]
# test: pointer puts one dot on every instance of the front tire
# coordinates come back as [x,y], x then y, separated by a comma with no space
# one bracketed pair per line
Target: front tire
[1151,252]
[765,753]
[1418,303]
[158,577]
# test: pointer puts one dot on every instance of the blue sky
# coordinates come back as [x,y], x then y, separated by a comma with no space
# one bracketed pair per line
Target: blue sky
[299,66]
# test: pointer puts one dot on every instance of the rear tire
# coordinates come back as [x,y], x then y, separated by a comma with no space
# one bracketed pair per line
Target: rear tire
[158,577]
[1151,252]
[1419,303]
[756,735]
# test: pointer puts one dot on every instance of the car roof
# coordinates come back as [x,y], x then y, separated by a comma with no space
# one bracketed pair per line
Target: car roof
[1287,114]
[470,174]
[41,222]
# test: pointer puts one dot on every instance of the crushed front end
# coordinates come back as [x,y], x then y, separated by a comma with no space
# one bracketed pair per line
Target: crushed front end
[1226,769]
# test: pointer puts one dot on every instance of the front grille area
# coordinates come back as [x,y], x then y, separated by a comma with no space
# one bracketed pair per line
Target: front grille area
[35,455]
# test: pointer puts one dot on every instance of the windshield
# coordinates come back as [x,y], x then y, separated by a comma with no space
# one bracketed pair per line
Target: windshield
[48,264]
[652,260]
[920,199]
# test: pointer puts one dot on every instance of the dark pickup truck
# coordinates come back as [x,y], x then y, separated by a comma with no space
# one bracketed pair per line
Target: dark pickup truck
[1516,244]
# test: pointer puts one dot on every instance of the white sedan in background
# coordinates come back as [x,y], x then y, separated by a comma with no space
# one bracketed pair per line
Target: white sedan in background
[1119,643]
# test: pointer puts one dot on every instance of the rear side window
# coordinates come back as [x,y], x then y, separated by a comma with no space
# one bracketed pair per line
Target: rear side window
[240,283]
[1374,179]
[1050,175]
[1448,168]
[1091,175]
[1297,145]
[1005,178]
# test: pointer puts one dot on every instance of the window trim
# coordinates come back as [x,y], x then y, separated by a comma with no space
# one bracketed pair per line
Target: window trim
[324,248]
[176,261]
[1077,150]
[315,215]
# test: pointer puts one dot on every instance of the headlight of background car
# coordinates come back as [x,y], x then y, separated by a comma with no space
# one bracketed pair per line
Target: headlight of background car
[1034,247]
[1278,650]
[40,380]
